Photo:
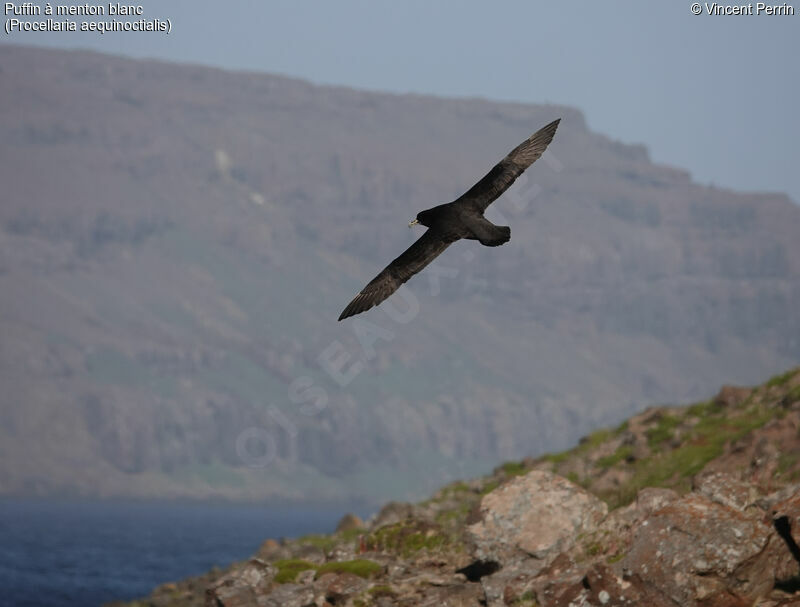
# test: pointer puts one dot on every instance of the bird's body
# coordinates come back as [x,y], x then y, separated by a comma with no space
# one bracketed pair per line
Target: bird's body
[462,218]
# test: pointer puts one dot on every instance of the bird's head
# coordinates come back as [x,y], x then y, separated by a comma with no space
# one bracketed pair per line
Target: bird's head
[421,219]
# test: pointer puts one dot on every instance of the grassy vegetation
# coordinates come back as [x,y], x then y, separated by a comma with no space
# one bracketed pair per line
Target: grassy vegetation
[557,458]
[527,599]
[289,568]
[455,515]
[704,409]
[514,468]
[663,431]
[781,379]
[623,452]
[704,429]
[408,538]
[595,439]
[457,487]
[702,442]
[360,567]
[490,486]
[615,558]
[323,542]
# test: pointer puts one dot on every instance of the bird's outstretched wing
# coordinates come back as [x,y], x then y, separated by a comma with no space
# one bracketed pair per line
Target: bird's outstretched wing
[505,172]
[426,248]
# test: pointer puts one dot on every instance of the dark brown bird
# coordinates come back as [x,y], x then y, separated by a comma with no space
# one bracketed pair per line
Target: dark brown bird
[462,218]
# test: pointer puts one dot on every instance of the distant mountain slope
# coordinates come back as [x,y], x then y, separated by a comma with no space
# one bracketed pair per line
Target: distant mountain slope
[176,243]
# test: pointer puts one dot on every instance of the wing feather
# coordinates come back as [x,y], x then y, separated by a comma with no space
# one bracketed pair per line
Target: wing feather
[424,250]
[505,172]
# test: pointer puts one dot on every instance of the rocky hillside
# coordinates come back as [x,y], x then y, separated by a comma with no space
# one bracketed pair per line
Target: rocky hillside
[693,506]
[176,243]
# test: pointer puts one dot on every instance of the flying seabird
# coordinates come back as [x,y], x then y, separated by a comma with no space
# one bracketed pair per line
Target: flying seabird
[462,218]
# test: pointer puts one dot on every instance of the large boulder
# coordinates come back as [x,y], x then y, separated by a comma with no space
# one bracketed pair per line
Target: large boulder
[537,515]
[523,525]
[785,515]
[698,551]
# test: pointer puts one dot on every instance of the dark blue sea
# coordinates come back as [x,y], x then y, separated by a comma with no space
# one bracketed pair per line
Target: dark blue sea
[83,553]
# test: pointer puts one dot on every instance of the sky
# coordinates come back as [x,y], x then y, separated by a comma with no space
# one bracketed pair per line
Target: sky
[717,95]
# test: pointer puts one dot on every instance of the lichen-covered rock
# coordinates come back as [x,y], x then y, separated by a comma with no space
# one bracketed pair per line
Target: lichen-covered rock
[289,595]
[456,595]
[601,586]
[650,499]
[695,550]
[537,515]
[788,509]
[727,490]
[342,587]
[243,586]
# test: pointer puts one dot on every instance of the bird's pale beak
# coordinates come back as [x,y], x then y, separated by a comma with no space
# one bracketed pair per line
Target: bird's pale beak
[413,223]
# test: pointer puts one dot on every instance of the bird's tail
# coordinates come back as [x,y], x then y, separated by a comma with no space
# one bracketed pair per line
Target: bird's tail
[500,235]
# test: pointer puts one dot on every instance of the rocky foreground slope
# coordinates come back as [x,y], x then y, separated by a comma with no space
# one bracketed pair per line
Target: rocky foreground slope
[693,505]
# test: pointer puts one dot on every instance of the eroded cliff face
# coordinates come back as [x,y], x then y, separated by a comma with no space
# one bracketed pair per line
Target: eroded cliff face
[700,507]
[176,243]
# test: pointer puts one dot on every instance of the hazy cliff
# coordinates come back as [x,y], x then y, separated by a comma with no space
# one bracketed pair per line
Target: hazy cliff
[176,243]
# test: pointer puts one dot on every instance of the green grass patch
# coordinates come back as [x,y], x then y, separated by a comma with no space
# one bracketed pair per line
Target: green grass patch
[595,439]
[323,542]
[327,543]
[360,567]
[526,599]
[779,380]
[594,549]
[623,452]
[557,458]
[408,538]
[674,468]
[457,487]
[454,515]
[452,490]
[514,468]
[289,568]
[663,431]
[704,409]
[489,487]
